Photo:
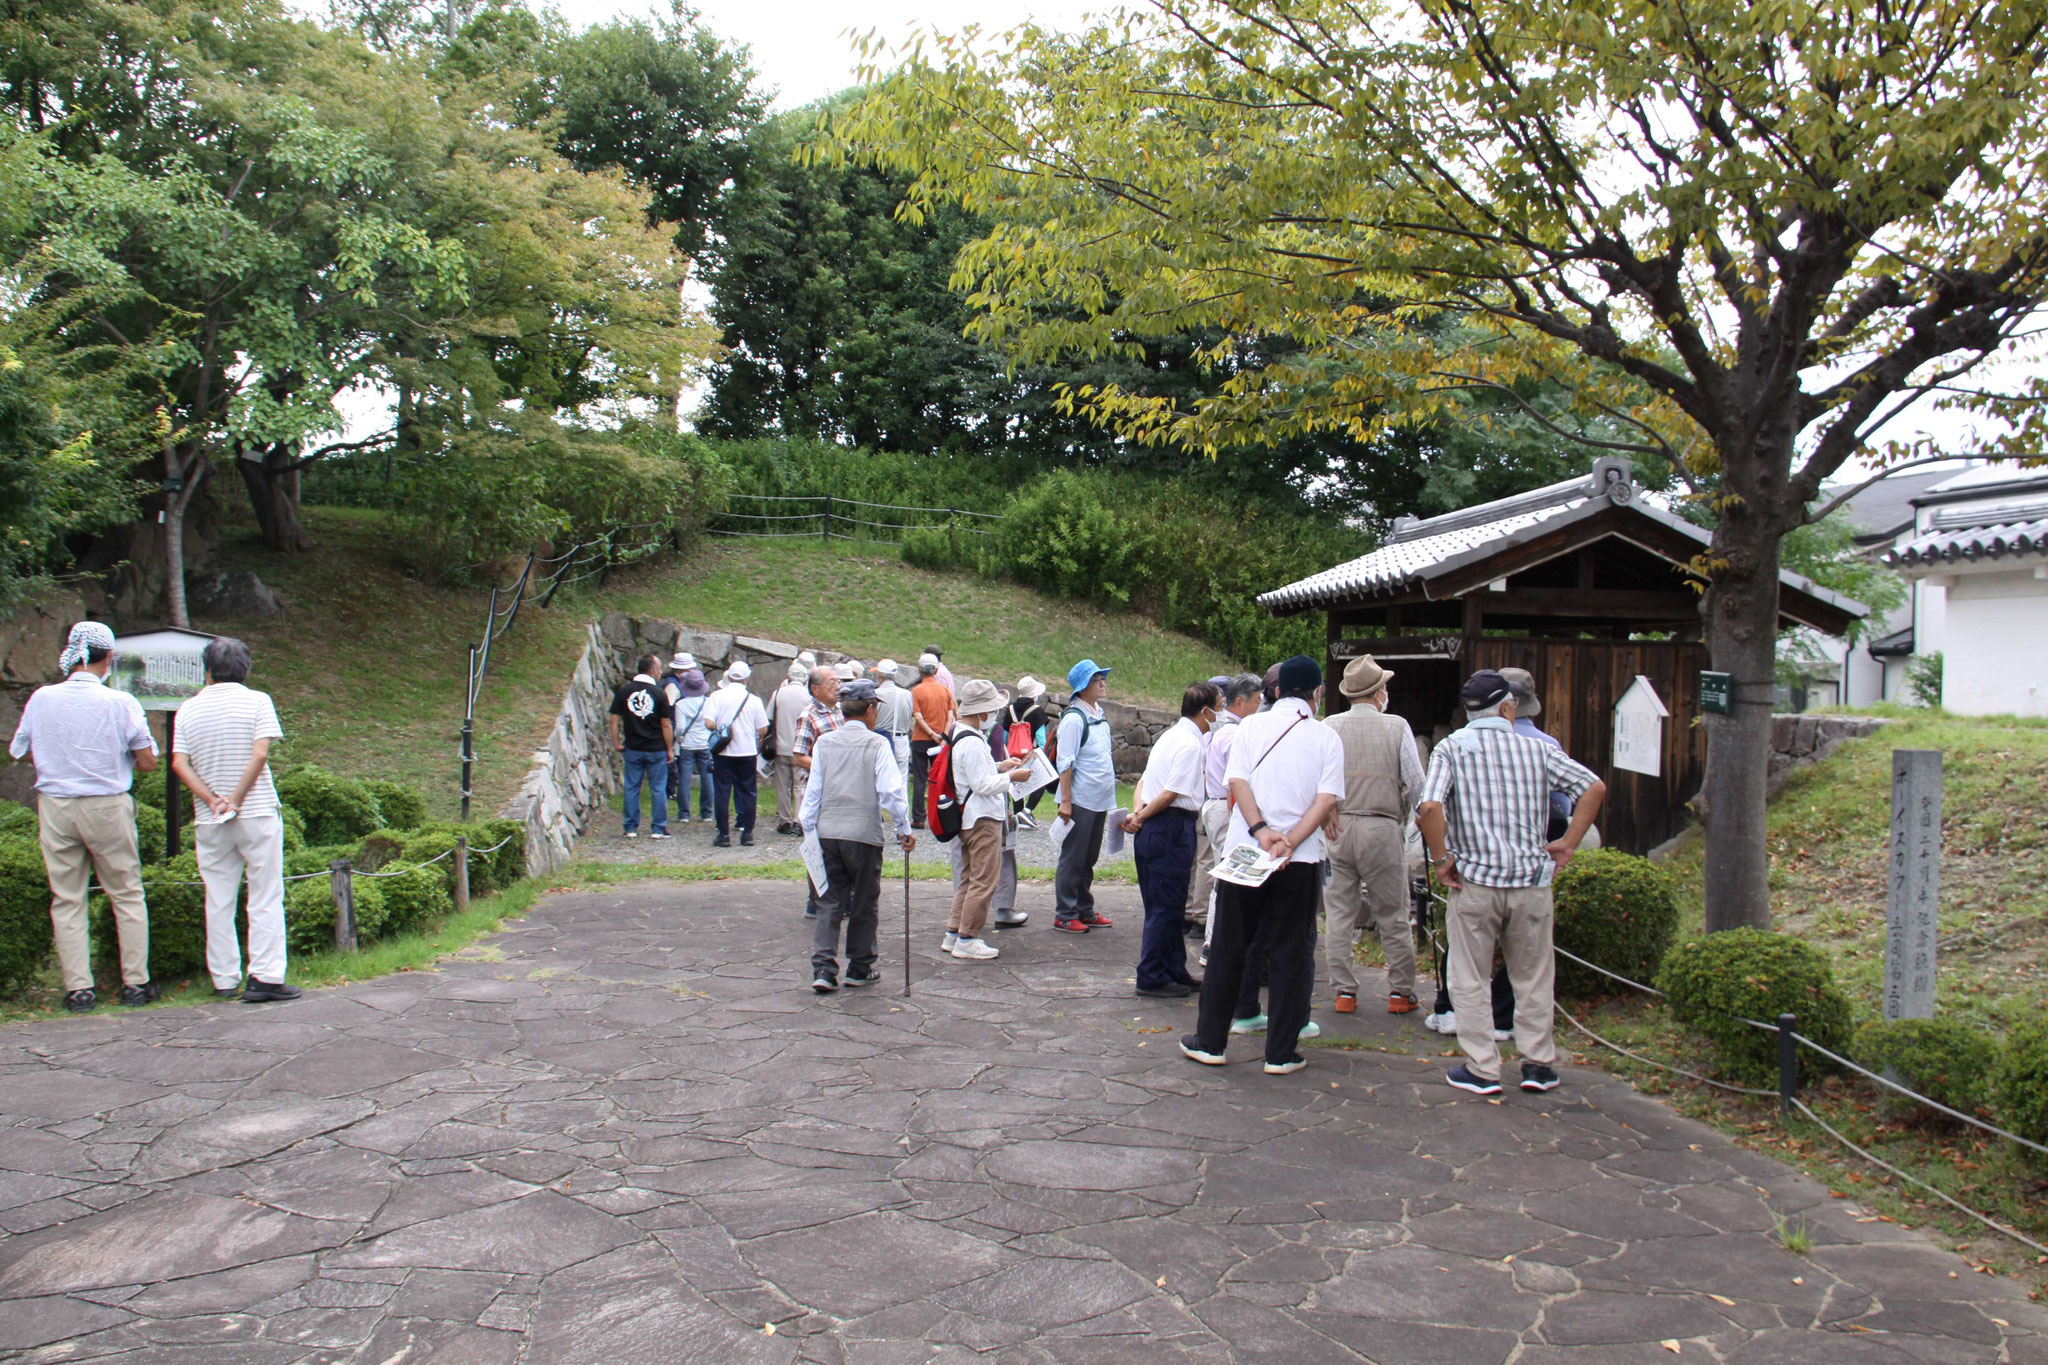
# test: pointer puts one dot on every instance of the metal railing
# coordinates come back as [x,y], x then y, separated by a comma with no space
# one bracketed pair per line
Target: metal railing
[789,516]
[540,578]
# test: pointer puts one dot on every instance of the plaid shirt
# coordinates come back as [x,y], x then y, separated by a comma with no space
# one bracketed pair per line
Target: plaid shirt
[819,720]
[1495,786]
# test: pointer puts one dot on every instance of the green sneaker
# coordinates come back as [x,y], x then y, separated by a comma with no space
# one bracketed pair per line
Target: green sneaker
[1255,1024]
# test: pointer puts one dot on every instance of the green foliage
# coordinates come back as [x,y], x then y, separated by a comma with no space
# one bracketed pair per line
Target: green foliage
[309,914]
[177,919]
[488,872]
[1615,909]
[1827,553]
[151,829]
[412,898]
[294,827]
[336,810]
[400,807]
[25,933]
[1950,1061]
[2023,1082]
[17,819]
[1923,678]
[1756,975]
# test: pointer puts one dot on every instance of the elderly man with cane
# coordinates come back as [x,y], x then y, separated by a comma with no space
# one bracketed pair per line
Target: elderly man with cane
[853,779]
[1484,816]
[88,742]
[1286,776]
[1368,854]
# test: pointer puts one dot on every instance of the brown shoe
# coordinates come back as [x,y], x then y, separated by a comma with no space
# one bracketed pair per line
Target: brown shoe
[1401,1004]
[1347,1002]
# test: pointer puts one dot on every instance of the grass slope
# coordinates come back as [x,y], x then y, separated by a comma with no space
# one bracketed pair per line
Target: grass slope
[368,668]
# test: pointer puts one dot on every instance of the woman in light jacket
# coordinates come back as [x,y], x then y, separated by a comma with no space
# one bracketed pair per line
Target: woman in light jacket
[984,787]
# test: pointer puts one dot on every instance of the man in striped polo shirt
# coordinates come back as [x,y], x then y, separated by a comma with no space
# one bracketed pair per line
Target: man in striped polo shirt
[1484,811]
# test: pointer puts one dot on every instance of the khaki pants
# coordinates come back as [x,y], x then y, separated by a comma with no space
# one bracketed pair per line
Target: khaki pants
[1203,884]
[974,889]
[81,834]
[1519,919]
[789,790]
[1369,888]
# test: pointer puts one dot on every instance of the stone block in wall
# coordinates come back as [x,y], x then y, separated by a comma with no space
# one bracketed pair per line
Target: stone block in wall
[1804,737]
[1120,715]
[618,631]
[659,637]
[712,648]
[754,646]
[1782,730]
[1129,759]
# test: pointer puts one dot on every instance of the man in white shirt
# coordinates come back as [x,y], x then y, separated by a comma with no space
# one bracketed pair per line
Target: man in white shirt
[88,741]
[854,779]
[785,709]
[893,712]
[738,712]
[223,754]
[1241,698]
[1168,797]
[1286,775]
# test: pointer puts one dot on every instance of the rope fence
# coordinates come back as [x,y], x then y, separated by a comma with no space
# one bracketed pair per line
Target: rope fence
[1790,1040]
[829,510]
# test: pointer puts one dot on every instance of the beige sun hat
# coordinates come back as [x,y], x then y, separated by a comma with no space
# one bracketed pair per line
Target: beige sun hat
[1030,688]
[978,697]
[1522,683]
[1363,676]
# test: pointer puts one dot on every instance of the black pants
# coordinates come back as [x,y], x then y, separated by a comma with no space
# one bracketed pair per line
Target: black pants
[920,773]
[1074,888]
[853,897]
[735,777]
[1280,917]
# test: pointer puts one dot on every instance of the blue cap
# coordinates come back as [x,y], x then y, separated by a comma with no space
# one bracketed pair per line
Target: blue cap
[1083,673]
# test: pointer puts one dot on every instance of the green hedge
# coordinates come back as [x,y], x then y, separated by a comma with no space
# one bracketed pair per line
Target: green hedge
[400,807]
[25,934]
[309,914]
[2023,1084]
[1947,1060]
[1755,975]
[1615,909]
[336,809]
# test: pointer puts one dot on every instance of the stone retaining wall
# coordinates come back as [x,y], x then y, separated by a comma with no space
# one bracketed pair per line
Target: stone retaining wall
[574,776]
[1801,740]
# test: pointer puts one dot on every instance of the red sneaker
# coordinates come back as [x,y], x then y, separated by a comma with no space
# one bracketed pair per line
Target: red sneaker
[1070,926]
[1401,1004]
[1095,921]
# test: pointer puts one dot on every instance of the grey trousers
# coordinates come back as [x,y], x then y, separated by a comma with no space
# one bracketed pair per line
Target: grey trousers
[1073,889]
[1369,889]
[853,897]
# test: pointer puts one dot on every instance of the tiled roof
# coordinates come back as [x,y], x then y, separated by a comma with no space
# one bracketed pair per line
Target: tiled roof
[2014,530]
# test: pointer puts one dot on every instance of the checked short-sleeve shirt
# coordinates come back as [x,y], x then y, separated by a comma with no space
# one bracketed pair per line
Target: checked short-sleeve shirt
[1495,786]
[817,720]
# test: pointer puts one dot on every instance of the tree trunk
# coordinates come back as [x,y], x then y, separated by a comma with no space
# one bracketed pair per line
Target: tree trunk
[174,560]
[269,481]
[1741,618]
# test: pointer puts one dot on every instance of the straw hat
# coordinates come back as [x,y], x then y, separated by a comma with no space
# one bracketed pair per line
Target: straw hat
[978,697]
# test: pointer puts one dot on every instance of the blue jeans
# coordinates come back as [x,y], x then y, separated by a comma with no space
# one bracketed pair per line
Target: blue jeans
[649,766]
[692,765]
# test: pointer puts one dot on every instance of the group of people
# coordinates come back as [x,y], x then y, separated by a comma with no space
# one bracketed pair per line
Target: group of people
[1248,765]
[88,741]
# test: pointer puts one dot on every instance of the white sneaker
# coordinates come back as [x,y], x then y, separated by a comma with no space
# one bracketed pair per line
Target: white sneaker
[1502,1035]
[974,950]
[947,943]
[1255,1024]
[1447,1022]
[1024,820]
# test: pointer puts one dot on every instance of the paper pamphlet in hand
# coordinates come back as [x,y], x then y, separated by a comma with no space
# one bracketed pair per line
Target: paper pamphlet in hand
[814,861]
[1247,865]
[1113,832]
[1058,831]
[1042,775]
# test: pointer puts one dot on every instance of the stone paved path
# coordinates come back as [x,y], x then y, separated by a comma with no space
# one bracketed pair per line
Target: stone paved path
[624,1131]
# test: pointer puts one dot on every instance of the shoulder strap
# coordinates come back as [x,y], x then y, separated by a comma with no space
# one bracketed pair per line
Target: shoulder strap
[1276,743]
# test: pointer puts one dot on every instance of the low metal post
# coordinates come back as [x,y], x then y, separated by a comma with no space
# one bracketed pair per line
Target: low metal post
[1788,1062]
[343,881]
[461,873]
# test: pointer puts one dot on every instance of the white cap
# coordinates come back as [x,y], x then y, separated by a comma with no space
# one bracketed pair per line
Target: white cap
[806,658]
[739,672]
[924,660]
[799,671]
[886,666]
[846,672]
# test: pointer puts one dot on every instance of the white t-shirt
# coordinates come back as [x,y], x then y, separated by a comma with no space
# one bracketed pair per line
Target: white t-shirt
[217,731]
[732,704]
[1289,760]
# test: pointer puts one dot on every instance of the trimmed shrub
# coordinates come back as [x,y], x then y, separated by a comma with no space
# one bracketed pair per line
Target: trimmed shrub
[294,828]
[177,920]
[508,864]
[413,898]
[488,872]
[309,914]
[337,810]
[148,788]
[151,830]
[25,934]
[401,807]
[1947,1060]
[1755,975]
[15,819]
[2023,1084]
[1615,909]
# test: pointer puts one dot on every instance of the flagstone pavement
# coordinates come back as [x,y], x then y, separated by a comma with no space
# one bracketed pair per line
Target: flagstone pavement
[624,1130]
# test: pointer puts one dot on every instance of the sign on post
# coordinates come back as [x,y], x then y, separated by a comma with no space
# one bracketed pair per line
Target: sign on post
[1913,902]
[1639,729]
[1717,693]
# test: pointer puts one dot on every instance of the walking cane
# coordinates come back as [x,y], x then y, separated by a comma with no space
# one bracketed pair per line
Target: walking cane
[906,924]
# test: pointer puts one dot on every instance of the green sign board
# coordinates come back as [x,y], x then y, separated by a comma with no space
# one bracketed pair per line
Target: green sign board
[1717,693]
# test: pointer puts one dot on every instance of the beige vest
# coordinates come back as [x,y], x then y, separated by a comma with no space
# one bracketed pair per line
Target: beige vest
[1372,760]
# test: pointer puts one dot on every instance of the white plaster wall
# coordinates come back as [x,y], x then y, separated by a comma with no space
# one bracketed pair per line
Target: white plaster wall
[1995,645]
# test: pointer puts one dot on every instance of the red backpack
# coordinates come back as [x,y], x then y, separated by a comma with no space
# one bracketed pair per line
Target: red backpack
[941,802]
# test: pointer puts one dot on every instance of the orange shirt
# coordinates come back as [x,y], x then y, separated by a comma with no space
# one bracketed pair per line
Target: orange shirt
[934,704]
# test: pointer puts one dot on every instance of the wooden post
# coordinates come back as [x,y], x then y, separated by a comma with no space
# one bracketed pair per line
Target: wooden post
[172,786]
[461,873]
[342,873]
[1913,900]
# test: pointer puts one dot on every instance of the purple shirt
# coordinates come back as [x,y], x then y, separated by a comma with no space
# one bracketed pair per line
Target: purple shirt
[1221,736]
